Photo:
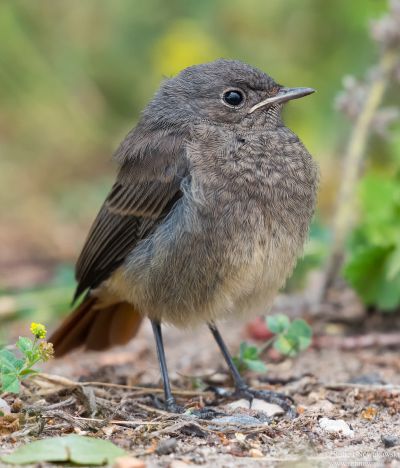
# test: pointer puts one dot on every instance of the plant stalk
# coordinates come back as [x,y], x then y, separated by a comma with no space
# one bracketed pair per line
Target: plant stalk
[352,163]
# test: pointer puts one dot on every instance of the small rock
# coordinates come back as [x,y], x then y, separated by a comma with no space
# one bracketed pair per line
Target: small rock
[4,407]
[270,409]
[243,403]
[108,430]
[178,464]
[17,405]
[368,379]
[336,426]
[241,438]
[166,446]
[238,420]
[217,378]
[321,407]
[226,423]
[129,462]
[390,440]
[255,453]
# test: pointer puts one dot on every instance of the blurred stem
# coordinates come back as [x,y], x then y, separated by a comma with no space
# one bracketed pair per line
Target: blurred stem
[266,345]
[353,158]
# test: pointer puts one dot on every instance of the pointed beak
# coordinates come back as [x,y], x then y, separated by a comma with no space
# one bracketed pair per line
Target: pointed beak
[284,95]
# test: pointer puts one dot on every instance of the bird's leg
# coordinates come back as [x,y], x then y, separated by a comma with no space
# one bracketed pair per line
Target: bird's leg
[241,387]
[170,403]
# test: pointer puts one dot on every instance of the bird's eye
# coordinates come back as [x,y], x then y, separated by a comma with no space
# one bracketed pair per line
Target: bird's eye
[233,97]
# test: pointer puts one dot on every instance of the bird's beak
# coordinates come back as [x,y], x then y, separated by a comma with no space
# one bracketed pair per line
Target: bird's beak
[283,95]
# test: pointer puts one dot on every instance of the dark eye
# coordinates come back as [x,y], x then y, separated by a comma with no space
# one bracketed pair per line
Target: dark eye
[233,97]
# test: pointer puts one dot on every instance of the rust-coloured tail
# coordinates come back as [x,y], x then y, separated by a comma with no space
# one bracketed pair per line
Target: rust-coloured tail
[96,325]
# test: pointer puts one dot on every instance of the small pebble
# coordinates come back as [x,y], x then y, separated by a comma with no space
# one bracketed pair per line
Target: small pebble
[178,464]
[129,462]
[336,426]
[243,403]
[255,453]
[17,405]
[321,407]
[390,440]
[368,379]
[218,378]
[4,407]
[238,420]
[166,446]
[270,409]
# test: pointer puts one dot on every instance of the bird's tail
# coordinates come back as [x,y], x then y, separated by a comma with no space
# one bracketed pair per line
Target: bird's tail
[96,325]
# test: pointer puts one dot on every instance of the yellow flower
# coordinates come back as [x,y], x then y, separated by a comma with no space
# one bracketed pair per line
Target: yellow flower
[38,330]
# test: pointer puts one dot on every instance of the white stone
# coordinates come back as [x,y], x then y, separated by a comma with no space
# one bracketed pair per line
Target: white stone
[243,403]
[270,409]
[336,426]
[4,407]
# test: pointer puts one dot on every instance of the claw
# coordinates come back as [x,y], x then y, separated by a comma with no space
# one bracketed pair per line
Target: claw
[169,405]
[174,408]
[208,413]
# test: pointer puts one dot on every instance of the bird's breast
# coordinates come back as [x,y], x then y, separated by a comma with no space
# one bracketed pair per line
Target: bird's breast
[231,241]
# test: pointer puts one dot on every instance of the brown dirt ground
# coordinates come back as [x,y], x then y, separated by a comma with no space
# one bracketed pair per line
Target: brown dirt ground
[317,380]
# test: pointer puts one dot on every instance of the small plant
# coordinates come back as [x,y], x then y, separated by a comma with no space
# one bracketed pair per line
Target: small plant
[373,264]
[249,358]
[14,369]
[289,339]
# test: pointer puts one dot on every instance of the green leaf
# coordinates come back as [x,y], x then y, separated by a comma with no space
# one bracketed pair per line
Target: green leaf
[285,345]
[249,358]
[255,365]
[242,349]
[250,352]
[368,270]
[300,333]
[278,323]
[24,344]
[27,372]
[379,197]
[295,339]
[10,383]
[72,448]
[393,264]
[8,360]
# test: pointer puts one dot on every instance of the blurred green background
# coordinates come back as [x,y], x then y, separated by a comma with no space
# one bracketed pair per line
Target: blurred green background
[74,76]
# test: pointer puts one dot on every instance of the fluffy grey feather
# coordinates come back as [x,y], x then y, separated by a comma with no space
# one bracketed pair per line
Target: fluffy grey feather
[211,206]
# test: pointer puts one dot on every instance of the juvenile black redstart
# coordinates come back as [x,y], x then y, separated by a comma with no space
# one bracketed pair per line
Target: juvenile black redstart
[207,217]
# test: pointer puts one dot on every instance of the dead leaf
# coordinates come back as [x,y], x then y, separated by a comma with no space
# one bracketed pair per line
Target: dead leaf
[369,413]
[9,423]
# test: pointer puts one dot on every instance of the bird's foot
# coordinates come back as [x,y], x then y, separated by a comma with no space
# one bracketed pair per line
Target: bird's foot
[172,406]
[280,399]
[207,413]
[169,405]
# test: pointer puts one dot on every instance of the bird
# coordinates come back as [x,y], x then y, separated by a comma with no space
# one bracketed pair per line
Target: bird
[209,212]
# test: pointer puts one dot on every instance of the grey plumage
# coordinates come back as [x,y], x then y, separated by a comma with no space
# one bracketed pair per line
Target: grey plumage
[211,205]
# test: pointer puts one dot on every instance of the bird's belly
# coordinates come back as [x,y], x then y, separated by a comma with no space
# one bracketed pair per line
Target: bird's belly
[259,280]
[200,279]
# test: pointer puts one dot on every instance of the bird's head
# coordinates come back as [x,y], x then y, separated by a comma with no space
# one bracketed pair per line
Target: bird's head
[221,92]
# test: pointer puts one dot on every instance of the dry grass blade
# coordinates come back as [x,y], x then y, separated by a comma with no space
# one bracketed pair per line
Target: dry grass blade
[48,381]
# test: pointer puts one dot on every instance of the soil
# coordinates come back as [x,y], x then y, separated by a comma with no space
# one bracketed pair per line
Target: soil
[359,384]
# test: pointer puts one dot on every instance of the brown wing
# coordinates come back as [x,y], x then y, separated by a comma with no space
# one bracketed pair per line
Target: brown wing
[144,192]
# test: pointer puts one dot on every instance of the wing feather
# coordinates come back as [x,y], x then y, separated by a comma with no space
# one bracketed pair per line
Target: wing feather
[145,191]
